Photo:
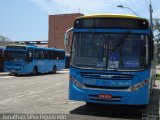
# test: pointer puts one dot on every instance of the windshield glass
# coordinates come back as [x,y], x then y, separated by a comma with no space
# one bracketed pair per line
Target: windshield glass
[16,56]
[109,51]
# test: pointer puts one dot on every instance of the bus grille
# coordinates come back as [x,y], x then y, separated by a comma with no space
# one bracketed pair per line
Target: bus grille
[106,87]
[107,76]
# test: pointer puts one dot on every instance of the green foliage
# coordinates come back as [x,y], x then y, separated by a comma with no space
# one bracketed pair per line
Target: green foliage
[4,41]
[158,77]
[156,27]
[156,24]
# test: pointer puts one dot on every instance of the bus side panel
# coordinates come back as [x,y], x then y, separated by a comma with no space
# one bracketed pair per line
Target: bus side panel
[44,66]
[28,69]
[41,65]
[60,64]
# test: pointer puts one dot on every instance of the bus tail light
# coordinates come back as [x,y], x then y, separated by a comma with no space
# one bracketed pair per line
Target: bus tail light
[76,82]
[138,86]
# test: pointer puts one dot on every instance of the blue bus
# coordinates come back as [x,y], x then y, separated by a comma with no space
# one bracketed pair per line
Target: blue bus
[1,59]
[112,60]
[33,60]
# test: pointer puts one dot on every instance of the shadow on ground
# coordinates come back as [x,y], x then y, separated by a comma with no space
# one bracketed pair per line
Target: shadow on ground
[39,74]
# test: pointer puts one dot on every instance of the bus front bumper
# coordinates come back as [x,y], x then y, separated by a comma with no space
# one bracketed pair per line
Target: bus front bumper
[139,97]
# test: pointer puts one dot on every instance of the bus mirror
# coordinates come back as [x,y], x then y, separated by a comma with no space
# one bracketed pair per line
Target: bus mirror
[30,56]
[67,38]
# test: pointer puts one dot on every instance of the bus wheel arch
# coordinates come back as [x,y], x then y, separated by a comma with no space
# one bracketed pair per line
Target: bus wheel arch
[35,70]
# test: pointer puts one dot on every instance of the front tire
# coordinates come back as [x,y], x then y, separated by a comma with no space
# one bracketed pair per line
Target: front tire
[143,106]
[90,104]
[35,71]
[54,71]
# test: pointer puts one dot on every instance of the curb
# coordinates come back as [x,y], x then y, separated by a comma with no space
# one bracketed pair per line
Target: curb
[4,73]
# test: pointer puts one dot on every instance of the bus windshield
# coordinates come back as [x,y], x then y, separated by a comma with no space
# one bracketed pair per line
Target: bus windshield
[109,51]
[16,56]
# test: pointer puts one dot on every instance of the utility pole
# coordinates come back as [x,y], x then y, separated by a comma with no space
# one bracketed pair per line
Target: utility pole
[151,18]
[151,11]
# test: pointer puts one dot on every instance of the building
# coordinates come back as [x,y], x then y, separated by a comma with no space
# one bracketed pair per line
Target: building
[43,43]
[58,24]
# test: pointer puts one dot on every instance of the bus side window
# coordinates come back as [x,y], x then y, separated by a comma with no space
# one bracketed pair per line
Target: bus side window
[53,55]
[42,55]
[37,54]
[30,55]
[61,55]
[48,55]
[56,55]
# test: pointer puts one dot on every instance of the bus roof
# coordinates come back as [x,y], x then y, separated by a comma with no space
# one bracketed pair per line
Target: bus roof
[32,47]
[111,16]
[44,48]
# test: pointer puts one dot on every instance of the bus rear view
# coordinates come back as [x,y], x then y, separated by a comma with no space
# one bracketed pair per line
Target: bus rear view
[111,60]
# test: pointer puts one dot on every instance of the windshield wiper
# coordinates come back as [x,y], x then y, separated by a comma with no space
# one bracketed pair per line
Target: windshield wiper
[119,52]
[121,42]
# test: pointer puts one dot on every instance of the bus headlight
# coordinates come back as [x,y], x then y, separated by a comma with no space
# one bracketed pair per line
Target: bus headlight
[138,86]
[76,83]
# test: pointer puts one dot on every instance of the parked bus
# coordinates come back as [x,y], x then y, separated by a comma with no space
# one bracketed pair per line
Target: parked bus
[33,60]
[1,59]
[111,60]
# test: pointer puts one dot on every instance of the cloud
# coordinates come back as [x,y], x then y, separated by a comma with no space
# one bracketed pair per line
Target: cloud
[67,6]
[97,6]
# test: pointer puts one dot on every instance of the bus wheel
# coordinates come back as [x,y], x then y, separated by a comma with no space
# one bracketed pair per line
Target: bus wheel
[54,69]
[90,104]
[143,106]
[152,89]
[35,71]
[11,74]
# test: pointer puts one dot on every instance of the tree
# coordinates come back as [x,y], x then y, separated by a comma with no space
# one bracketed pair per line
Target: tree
[4,40]
[156,27]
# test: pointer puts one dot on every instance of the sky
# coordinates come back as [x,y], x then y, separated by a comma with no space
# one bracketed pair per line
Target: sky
[27,20]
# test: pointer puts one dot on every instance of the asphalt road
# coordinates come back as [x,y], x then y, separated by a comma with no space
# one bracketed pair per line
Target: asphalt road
[48,94]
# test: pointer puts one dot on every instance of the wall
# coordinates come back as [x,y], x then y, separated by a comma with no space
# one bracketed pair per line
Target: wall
[58,24]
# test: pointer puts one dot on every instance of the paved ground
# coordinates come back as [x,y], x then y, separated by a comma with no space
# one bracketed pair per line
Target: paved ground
[158,69]
[48,94]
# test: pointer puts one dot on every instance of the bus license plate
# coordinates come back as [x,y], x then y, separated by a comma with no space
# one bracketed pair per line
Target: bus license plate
[105,96]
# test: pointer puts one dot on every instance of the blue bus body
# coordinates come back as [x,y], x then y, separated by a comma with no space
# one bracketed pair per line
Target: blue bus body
[1,59]
[119,88]
[108,82]
[33,60]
